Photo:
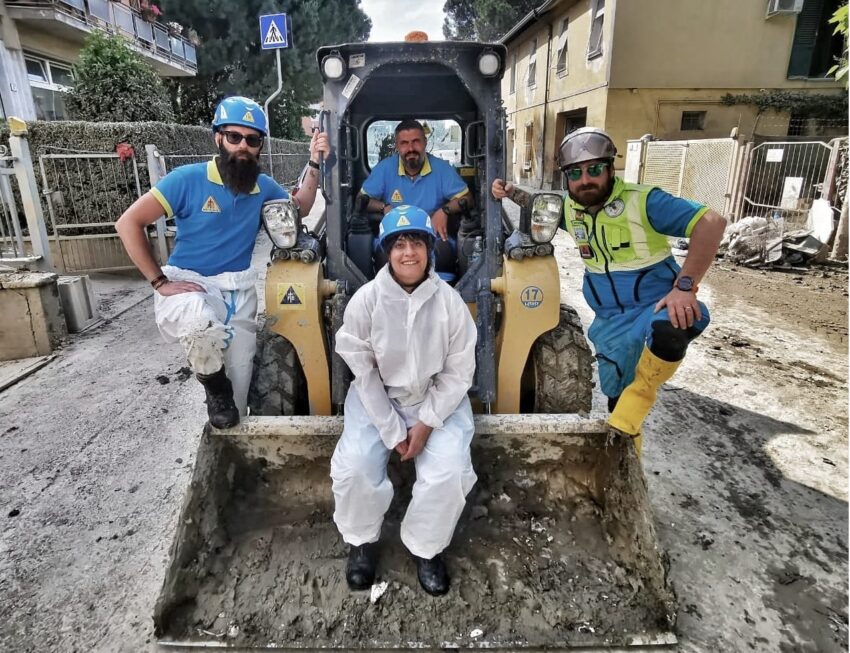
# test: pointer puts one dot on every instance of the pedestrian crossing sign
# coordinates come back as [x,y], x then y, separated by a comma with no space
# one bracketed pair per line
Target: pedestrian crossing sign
[274,32]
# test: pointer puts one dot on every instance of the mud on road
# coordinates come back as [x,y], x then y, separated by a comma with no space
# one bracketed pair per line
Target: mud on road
[745,458]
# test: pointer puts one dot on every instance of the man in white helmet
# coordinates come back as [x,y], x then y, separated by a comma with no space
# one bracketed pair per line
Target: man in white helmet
[205,297]
[646,306]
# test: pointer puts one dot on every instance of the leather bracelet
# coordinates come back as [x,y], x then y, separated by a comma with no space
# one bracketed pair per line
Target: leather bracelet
[313,164]
[159,282]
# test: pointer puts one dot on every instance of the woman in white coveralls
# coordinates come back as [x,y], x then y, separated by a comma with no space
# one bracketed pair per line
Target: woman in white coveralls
[409,340]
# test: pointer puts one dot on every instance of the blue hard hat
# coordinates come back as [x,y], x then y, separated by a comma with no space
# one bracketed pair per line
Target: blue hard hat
[405,218]
[242,111]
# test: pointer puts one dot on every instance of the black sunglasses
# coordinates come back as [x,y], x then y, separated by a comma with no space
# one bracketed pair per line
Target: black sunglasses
[234,138]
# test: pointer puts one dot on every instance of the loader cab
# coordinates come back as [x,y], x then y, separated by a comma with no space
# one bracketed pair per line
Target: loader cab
[453,90]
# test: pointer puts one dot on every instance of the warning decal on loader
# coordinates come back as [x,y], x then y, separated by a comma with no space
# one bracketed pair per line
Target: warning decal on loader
[290,296]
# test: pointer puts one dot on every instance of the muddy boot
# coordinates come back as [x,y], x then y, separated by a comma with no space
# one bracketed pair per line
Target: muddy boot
[221,408]
[360,569]
[432,574]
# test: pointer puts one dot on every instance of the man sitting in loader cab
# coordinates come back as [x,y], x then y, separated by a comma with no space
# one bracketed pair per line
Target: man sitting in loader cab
[413,177]
[409,340]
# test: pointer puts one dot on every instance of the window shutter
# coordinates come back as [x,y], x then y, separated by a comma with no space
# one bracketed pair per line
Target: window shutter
[805,37]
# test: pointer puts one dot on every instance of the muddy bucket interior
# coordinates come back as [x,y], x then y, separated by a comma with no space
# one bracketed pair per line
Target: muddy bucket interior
[556,547]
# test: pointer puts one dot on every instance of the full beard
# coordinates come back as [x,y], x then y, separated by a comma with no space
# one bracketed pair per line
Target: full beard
[592,195]
[239,173]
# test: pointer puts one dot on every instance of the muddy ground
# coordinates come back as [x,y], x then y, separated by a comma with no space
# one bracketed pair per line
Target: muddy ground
[745,458]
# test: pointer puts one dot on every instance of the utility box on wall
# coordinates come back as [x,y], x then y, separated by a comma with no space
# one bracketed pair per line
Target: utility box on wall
[31,319]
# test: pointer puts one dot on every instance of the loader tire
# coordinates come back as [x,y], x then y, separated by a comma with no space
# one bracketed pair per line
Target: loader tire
[278,386]
[558,377]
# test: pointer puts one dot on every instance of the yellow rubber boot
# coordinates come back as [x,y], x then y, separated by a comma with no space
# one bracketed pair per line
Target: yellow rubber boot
[638,398]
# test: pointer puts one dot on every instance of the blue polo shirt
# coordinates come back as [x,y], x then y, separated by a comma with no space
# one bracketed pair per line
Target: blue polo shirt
[437,183]
[216,228]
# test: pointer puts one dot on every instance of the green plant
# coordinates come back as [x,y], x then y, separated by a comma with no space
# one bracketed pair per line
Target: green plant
[798,103]
[839,18]
[114,84]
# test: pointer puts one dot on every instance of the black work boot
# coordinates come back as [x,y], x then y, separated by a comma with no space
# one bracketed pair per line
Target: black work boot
[221,408]
[360,568]
[432,574]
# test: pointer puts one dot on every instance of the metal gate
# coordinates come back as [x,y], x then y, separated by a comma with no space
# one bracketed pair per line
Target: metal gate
[11,233]
[701,170]
[785,177]
[85,194]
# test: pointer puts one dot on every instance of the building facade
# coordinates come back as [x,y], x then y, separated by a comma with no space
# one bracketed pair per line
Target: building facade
[660,67]
[42,39]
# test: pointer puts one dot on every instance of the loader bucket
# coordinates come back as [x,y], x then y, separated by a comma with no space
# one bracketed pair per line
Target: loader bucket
[556,547]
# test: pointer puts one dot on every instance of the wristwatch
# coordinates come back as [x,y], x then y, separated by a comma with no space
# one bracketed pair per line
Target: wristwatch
[685,284]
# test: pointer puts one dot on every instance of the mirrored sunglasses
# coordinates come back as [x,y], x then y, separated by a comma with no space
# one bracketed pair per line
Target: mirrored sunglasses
[234,138]
[593,170]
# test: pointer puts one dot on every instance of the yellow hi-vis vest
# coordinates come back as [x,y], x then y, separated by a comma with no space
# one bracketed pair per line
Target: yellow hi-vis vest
[620,237]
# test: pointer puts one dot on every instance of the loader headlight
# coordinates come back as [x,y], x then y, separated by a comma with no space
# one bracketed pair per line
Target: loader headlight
[280,218]
[488,63]
[333,66]
[545,217]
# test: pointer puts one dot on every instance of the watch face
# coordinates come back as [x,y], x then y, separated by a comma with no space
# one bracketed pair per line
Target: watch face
[685,283]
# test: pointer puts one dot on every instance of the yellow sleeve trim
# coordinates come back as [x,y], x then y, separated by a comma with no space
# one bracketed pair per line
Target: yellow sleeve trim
[700,212]
[465,191]
[164,202]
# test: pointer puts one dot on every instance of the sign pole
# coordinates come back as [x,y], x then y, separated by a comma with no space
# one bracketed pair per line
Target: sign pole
[266,109]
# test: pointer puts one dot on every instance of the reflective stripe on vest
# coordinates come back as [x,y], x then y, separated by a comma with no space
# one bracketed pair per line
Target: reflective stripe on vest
[620,237]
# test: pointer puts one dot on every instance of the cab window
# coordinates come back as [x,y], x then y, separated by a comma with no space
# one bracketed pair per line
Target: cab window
[444,140]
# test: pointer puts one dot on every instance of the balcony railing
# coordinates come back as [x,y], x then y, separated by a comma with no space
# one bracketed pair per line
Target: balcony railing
[118,18]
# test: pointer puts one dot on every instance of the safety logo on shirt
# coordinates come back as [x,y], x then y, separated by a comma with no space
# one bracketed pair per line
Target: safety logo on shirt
[248,117]
[531,296]
[396,196]
[402,222]
[615,208]
[290,296]
[211,206]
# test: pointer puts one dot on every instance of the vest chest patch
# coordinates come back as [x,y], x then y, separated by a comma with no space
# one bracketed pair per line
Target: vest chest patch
[615,208]
[211,206]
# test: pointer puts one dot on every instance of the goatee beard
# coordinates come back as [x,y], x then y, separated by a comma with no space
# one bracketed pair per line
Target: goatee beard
[238,174]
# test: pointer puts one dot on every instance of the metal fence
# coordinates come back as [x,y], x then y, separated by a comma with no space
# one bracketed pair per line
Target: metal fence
[785,177]
[702,170]
[84,194]
[738,180]
[11,232]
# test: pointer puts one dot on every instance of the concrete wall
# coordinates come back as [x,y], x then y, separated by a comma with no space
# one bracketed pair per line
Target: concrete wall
[716,44]
[31,318]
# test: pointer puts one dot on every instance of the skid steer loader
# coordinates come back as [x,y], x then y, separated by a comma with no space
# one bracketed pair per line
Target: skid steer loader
[556,548]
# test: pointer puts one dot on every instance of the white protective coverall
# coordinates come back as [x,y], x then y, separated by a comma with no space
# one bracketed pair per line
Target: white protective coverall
[413,357]
[216,328]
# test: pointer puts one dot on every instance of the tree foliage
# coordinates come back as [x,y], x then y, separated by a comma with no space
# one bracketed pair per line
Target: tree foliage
[483,20]
[114,84]
[840,20]
[230,61]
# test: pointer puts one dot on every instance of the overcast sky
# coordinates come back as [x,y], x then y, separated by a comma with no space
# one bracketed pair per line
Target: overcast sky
[392,19]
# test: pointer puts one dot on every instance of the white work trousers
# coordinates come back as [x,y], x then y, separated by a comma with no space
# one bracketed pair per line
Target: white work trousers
[363,492]
[217,327]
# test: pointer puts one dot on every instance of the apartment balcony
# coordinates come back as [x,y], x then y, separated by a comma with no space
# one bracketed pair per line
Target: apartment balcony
[72,20]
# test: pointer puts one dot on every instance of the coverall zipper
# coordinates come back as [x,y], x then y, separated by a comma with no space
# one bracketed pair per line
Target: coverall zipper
[605,260]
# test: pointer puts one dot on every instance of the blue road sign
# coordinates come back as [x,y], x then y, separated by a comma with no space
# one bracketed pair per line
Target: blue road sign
[273,33]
